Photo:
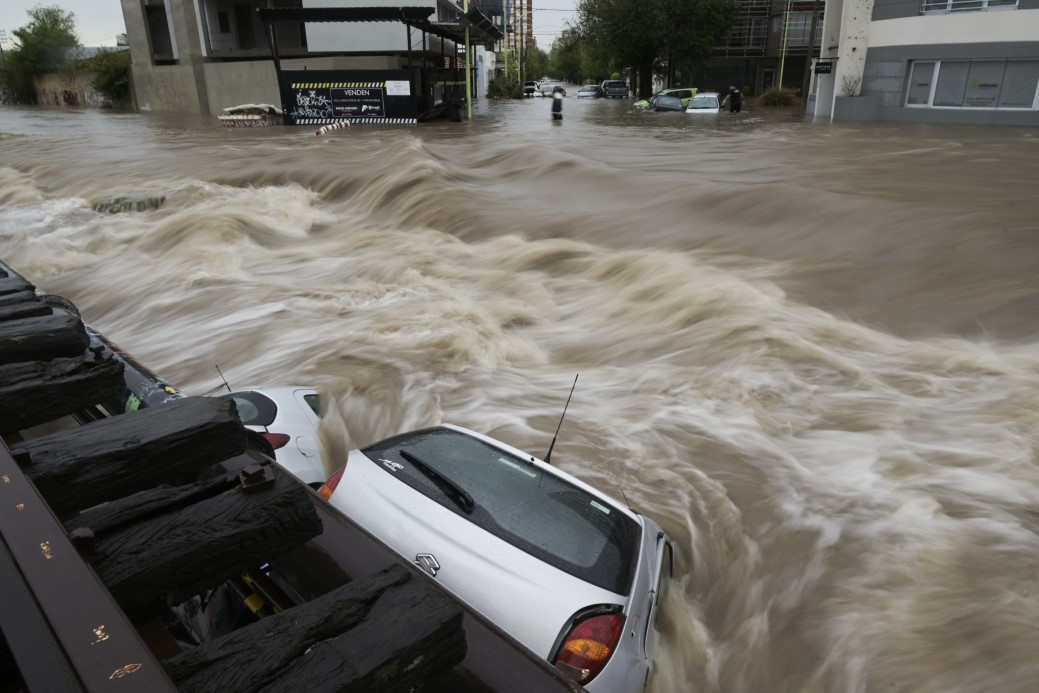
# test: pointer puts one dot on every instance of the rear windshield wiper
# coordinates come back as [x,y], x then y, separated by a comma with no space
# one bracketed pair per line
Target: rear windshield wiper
[452,489]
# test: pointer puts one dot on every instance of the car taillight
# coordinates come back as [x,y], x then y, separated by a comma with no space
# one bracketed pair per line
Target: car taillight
[329,487]
[277,440]
[588,646]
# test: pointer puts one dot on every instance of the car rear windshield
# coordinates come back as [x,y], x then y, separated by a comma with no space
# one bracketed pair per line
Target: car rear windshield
[704,102]
[534,510]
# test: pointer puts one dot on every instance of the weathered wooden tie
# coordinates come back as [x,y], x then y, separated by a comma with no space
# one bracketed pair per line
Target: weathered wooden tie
[172,556]
[390,632]
[108,459]
[42,338]
[35,392]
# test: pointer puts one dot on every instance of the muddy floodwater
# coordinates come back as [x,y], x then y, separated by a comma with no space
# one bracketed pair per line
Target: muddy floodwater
[810,351]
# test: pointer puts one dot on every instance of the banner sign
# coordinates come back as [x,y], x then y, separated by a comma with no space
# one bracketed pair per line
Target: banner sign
[322,97]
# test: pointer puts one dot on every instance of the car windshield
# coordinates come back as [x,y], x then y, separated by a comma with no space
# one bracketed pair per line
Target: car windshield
[589,88]
[534,510]
[704,102]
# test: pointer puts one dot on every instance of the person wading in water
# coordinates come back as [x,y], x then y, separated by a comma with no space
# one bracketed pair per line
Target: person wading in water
[557,103]
[735,99]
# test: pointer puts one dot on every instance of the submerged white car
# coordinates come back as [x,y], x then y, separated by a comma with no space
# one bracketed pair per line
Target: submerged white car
[705,102]
[287,417]
[569,572]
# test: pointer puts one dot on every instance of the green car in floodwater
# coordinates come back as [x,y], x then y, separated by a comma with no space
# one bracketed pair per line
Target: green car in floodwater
[684,93]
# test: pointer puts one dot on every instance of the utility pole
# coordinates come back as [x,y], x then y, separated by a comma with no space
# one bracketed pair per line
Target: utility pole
[468,77]
[786,27]
[3,40]
[505,37]
[805,83]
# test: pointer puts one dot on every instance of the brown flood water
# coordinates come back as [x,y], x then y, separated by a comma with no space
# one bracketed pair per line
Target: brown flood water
[810,351]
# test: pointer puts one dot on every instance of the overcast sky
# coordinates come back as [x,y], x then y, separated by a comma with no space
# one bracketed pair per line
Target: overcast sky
[99,21]
[550,18]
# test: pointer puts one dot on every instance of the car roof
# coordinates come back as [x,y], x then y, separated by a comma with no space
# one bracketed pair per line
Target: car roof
[276,390]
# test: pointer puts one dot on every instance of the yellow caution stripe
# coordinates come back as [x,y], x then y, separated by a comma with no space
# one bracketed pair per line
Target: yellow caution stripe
[339,85]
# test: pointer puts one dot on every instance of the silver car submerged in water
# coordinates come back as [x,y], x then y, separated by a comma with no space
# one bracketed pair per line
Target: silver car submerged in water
[569,572]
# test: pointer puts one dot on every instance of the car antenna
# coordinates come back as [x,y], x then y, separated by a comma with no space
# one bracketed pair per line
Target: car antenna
[223,378]
[548,454]
[628,502]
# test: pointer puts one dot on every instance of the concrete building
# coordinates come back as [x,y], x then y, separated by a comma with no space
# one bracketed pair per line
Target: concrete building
[939,61]
[200,56]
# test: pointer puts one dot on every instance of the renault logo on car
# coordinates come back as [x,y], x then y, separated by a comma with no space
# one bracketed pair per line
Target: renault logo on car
[428,563]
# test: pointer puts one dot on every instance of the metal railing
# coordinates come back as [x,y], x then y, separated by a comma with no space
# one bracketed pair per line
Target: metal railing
[965,5]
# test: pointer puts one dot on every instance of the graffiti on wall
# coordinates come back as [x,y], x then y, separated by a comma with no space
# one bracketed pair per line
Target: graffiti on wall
[69,90]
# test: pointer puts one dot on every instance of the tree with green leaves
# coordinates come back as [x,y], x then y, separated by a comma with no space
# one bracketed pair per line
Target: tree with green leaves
[536,63]
[111,75]
[46,44]
[565,59]
[646,36]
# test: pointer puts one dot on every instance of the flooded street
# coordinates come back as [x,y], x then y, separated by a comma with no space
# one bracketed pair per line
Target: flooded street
[811,352]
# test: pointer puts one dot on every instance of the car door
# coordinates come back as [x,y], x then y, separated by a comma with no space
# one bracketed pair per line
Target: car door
[664,567]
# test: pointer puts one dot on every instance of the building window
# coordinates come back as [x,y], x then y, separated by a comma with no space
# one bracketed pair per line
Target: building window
[952,82]
[797,27]
[921,79]
[945,6]
[159,33]
[224,21]
[988,84]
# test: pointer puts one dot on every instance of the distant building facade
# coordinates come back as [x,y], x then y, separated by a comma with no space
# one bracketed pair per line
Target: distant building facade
[768,39]
[946,61]
[200,56]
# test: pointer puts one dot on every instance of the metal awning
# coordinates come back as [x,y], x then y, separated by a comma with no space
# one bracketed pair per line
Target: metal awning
[481,29]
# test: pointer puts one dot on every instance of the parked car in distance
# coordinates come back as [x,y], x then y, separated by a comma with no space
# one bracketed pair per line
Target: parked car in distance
[548,89]
[530,88]
[288,418]
[615,88]
[707,102]
[684,93]
[667,103]
[572,574]
[590,91]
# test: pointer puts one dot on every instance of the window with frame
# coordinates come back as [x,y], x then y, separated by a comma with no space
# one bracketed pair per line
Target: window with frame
[946,6]
[985,84]
[798,27]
